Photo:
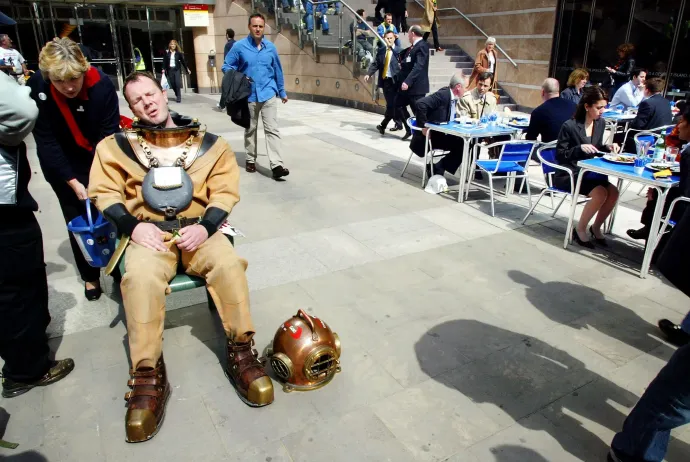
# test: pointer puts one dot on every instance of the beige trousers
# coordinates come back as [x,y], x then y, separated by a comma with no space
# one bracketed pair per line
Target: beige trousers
[268,110]
[145,285]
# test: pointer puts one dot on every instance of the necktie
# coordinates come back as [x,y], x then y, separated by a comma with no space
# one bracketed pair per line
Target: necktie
[386,62]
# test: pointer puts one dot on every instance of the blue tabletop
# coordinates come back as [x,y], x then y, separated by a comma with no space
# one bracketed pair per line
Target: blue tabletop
[461,129]
[626,170]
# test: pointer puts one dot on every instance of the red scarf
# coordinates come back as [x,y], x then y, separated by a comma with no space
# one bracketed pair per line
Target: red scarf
[91,78]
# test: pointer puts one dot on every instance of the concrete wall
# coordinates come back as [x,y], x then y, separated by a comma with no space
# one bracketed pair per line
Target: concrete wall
[326,80]
[523,28]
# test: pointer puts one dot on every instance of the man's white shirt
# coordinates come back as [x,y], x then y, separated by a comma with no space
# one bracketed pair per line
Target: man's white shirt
[628,95]
[12,58]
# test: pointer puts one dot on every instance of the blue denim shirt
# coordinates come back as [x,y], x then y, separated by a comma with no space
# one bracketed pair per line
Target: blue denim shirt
[262,65]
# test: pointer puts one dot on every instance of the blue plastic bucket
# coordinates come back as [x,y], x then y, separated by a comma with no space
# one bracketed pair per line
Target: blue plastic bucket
[96,239]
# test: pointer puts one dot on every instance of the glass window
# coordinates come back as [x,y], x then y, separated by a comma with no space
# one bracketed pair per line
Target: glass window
[679,77]
[574,23]
[609,28]
[652,32]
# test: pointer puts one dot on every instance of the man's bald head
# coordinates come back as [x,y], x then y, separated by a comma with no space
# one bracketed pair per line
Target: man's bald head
[550,89]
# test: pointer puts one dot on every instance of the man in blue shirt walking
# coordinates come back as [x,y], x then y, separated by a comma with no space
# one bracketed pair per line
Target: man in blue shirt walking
[258,59]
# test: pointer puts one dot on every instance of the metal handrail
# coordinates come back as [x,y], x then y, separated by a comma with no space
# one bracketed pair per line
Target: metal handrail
[278,12]
[475,26]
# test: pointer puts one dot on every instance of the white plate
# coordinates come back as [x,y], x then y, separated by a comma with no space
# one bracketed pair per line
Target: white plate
[658,166]
[518,123]
[614,158]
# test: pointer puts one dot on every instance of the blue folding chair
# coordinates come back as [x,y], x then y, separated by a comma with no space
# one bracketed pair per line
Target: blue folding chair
[513,162]
[431,153]
[547,156]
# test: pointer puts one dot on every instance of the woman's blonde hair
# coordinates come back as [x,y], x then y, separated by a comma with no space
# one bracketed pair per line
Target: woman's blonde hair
[576,76]
[61,59]
[177,48]
[490,40]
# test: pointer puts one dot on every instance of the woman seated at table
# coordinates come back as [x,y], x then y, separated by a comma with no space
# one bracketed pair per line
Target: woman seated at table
[580,138]
[680,133]
[576,82]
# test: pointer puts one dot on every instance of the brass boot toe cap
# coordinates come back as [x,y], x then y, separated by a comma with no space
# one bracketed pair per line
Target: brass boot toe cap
[140,425]
[260,391]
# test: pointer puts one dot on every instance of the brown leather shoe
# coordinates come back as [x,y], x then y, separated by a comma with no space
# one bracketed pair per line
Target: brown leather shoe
[247,374]
[250,167]
[146,402]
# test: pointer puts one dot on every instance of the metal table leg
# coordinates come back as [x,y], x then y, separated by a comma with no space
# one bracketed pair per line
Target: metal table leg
[463,169]
[426,155]
[609,227]
[654,231]
[573,207]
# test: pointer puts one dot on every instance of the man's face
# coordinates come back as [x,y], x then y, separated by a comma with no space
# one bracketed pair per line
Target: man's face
[256,28]
[483,86]
[390,39]
[70,88]
[684,129]
[389,20]
[147,101]
[6,42]
[640,79]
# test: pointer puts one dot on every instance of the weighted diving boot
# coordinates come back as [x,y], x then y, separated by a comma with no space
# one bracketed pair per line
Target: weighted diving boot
[146,402]
[246,373]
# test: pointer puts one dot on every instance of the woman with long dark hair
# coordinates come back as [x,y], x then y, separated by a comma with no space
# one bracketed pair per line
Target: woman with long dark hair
[621,72]
[580,138]
[77,108]
[172,64]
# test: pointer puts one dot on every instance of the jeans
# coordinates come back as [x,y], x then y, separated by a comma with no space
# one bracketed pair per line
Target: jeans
[665,405]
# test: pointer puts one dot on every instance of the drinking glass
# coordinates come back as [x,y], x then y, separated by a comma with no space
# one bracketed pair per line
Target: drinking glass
[671,154]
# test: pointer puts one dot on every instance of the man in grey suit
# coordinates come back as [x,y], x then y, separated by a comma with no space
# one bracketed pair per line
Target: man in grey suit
[386,63]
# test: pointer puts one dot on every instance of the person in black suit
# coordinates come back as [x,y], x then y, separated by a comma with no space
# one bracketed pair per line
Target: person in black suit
[397,8]
[546,120]
[172,64]
[440,107]
[580,138]
[653,112]
[414,74]
[386,63]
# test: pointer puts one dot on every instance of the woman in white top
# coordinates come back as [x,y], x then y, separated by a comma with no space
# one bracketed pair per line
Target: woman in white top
[486,61]
[172,62]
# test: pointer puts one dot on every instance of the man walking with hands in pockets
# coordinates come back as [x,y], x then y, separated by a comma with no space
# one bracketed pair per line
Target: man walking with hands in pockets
[258,59]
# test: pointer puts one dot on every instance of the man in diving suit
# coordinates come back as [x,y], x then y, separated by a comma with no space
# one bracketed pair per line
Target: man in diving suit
[132,184]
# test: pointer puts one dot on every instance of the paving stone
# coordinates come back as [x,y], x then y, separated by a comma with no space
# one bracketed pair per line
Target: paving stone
[355,436]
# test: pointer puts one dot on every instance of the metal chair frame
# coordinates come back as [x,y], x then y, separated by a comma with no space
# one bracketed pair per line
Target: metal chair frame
[548,179]
[431,153]
[511,175]
[666,221]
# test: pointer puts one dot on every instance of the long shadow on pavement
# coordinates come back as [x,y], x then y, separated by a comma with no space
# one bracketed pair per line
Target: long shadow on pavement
[529,376]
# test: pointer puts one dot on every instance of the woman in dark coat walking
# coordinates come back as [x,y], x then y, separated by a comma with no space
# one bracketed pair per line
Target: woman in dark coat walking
[77,107]
[172,66]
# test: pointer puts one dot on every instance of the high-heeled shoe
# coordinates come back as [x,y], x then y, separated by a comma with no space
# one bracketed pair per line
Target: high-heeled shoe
[585,244]
[602,242]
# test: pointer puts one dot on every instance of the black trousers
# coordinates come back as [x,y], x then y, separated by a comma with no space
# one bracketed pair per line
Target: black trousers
[434,31]
[24,314]
[175,81]
[398,20]
[454,144]
[72,207]
[403,100]
[381,4]
[390,92]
